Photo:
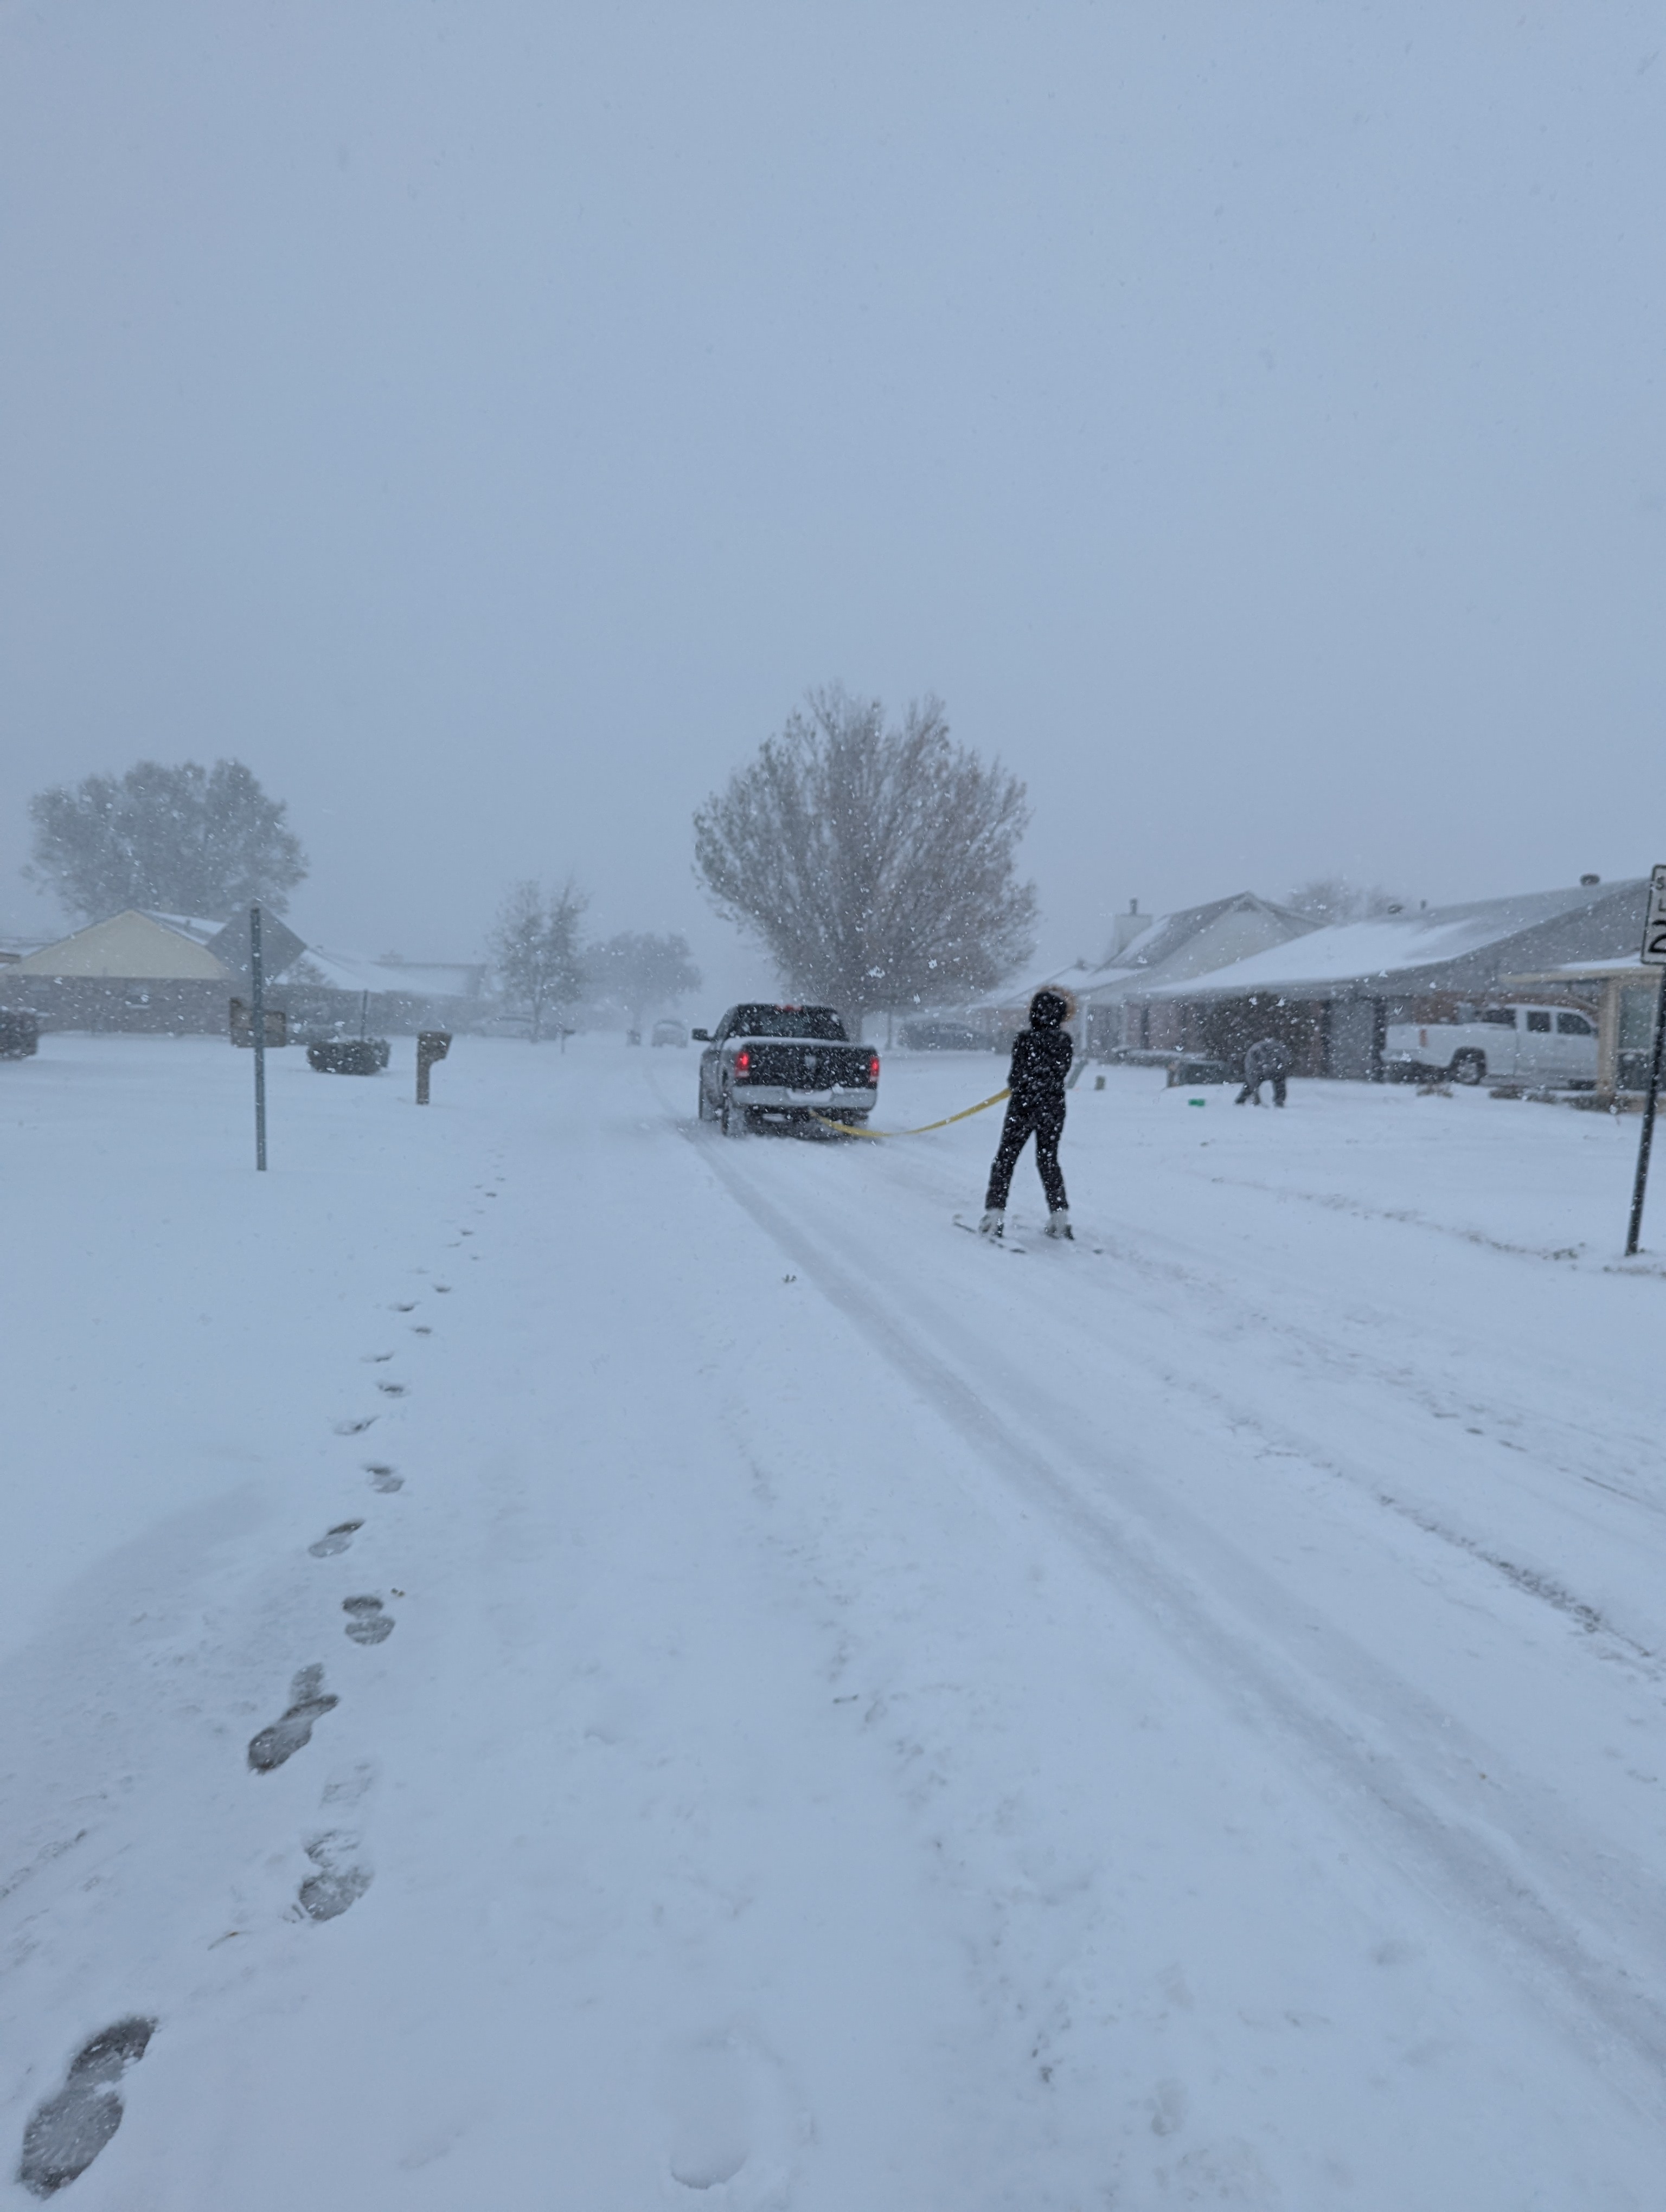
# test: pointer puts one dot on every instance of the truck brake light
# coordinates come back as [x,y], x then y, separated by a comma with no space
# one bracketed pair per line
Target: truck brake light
[873,1067]
[742,1060]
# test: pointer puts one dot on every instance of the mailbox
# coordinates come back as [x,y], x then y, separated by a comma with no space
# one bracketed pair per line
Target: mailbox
[431,1045]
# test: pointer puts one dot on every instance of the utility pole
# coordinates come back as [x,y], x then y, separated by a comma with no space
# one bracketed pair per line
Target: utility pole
[258,1018]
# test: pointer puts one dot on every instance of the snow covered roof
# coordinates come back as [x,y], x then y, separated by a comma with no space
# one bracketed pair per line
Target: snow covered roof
[1075,979]
[411,979]
[1401,946]
[1170,933]
[1168,946]
[194,926]
[1582,971]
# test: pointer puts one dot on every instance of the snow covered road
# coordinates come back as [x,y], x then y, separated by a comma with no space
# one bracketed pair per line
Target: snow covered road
[868,1720]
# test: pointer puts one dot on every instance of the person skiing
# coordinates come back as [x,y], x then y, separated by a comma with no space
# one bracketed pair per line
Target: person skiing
[1266,1061]
[1040,1060]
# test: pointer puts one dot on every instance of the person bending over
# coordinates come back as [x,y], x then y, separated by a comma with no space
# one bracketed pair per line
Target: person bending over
[1266,1062]
[1040,1060]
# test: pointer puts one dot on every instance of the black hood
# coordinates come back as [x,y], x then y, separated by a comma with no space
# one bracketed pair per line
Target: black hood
[1047,1010]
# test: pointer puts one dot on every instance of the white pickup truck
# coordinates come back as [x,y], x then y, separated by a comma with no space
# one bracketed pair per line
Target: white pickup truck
[1551,1045]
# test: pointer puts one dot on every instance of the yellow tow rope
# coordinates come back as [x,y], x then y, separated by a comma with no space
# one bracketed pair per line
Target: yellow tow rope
[849,1128]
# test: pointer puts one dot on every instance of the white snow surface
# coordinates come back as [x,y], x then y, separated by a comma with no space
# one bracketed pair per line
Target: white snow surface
[872,1723]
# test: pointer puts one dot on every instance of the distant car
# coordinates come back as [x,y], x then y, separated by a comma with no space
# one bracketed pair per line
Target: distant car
[669,1032]
[1553,1045]
[943,1036]
[782,1064]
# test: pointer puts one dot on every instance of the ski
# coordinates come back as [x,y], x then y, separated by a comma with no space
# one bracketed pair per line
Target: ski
[996,1244]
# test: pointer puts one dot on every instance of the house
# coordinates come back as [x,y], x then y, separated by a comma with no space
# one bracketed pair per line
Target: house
[1331,993]
[1122,1013]
[1113,996]
[345,990]
[179,974]
[132,971]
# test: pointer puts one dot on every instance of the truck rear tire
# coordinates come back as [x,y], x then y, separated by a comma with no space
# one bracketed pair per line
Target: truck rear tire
[1468,1067]
[733,1119]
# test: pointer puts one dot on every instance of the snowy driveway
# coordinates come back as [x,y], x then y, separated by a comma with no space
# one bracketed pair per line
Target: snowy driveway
[867,1721]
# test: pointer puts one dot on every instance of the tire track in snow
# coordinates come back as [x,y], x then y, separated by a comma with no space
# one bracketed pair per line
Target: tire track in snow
[1571,1914]
[1195,1275]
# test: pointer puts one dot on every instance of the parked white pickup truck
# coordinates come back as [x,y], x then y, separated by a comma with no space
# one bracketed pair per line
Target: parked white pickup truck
[1550,1045]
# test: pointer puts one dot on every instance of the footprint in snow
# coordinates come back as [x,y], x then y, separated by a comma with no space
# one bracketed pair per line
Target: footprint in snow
[383,1477]
[67,2132]
[335,1539]
[409,1307]
[368,1623]
[392,1390]
[354,1428]
[733,2124]
[338,1882]
[308,1702]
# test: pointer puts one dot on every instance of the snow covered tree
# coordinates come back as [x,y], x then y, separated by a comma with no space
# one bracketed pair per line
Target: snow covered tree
[640,971]
[535,948]
[185,840]
[875,863]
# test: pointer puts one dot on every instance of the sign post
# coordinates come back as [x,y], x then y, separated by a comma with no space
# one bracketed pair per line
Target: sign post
[258,1025]
[1653,955]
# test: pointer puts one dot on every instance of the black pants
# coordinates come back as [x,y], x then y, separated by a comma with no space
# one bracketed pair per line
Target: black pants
[1043,1119]
[1252,1090]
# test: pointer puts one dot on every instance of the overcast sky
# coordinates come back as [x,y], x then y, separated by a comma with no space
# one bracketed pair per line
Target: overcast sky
[486,417]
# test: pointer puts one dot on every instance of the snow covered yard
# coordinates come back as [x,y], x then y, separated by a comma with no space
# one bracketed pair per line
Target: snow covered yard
[869,1721]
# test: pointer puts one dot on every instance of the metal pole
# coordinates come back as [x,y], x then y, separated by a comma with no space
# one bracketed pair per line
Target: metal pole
[1647,1134]
[258,1016]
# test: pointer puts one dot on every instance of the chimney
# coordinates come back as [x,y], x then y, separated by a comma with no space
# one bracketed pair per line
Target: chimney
[1125,928]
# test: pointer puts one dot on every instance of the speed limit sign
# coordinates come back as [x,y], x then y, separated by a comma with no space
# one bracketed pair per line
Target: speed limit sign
[1654,929]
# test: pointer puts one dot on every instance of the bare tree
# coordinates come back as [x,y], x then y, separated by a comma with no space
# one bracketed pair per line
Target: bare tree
[876,864]
[1334,898]
[535,947]
[640,971]
[185,840]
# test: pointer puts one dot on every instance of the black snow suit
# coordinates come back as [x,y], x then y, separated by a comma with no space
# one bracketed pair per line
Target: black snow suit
[1040,1060]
